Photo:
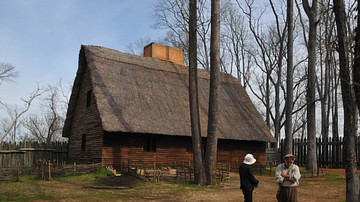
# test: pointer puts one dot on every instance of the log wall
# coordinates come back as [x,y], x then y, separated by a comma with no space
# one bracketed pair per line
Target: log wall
[86,120]
[123,149]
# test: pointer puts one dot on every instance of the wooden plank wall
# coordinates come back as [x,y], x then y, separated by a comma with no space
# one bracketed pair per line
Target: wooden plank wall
[86,120]
[25,154]
[122,149]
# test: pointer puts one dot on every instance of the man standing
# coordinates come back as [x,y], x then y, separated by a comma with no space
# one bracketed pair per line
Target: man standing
[247,179]
[287,176]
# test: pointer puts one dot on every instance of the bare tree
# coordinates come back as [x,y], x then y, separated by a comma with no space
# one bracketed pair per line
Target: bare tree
[47,126]
[7,72]
[212,136]
[350,119]
[311,12]
[289,78]
[235,37]
[326,38]
[280,43]
[263,58]
[174,16]
[334,100]
[137,47]
[194,99]
[268,56]
[17,115]
[356,69]
[6,122]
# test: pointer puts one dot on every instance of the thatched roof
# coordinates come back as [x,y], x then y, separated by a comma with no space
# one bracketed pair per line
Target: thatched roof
[136,94]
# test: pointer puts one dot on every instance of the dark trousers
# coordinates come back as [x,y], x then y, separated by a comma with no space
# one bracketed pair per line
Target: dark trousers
[247,195]
[287,194]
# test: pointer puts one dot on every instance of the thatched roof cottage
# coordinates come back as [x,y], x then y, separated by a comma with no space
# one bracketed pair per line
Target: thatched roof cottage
[128,108]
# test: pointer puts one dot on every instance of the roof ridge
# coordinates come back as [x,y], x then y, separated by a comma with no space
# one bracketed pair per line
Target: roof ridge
[152,63]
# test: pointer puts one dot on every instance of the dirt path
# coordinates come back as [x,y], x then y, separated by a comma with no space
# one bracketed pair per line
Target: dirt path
[310,189]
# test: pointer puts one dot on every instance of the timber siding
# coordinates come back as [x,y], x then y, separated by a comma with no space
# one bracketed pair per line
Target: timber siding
[121,148]
[232,153]
[124,149]
[86,120]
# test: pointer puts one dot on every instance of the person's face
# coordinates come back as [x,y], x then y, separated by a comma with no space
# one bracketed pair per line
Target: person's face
[289,161]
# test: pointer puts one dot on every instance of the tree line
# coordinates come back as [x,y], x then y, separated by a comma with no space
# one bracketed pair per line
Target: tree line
[294,89]
[20,125]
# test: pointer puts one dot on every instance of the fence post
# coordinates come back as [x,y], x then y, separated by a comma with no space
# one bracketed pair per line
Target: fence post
[154,171]
[18,174]
[128,166]
[49,170]
[43,169]
[177,175]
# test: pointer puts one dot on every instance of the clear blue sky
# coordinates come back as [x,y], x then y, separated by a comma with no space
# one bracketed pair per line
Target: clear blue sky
[42,38]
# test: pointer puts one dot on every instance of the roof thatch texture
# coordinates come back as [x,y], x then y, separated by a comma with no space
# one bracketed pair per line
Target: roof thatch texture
[136,94]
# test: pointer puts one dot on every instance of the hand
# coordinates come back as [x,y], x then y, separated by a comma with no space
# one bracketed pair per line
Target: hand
[285,176]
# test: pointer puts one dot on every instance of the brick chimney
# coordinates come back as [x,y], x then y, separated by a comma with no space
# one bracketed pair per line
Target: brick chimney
[164,52]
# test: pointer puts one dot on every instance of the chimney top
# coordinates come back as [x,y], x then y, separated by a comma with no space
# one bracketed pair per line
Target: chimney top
[164,52]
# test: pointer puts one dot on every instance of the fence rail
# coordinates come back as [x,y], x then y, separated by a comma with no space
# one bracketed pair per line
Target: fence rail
[25,154]
[329,151]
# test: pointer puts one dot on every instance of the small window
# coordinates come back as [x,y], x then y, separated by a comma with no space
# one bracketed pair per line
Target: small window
[88,99]
[203,141]
[189,148]
[150,144]
[83,142]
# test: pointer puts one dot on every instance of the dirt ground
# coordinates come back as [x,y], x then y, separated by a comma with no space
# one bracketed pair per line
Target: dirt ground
[310,189]
[128,188]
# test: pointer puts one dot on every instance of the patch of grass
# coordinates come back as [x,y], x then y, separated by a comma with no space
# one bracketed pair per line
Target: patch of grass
[101,171]
[28,171]
[100,196]
[17,197]
[85,180]
[24,191]
[335,179]
[264,171]
[29,178]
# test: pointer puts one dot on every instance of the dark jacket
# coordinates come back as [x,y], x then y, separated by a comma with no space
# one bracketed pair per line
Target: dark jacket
[247,179]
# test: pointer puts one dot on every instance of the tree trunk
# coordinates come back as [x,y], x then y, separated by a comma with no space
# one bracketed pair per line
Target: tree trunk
[335,128]
[289,78]
[267,101]
[281,38]
[356,69]
[311,12]
[193,96]
[350,119]
[212,139]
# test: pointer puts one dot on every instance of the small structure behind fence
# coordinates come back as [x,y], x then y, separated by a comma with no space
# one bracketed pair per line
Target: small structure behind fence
[25,154]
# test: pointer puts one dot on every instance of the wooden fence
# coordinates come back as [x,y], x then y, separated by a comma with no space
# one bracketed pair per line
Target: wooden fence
[47,169]
[329,151]
[26,154]
[176,173]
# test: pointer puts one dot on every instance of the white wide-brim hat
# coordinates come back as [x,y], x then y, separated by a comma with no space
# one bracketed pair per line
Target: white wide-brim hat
[249,159]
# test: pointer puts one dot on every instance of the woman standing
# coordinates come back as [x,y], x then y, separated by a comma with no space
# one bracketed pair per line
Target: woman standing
[247,179]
